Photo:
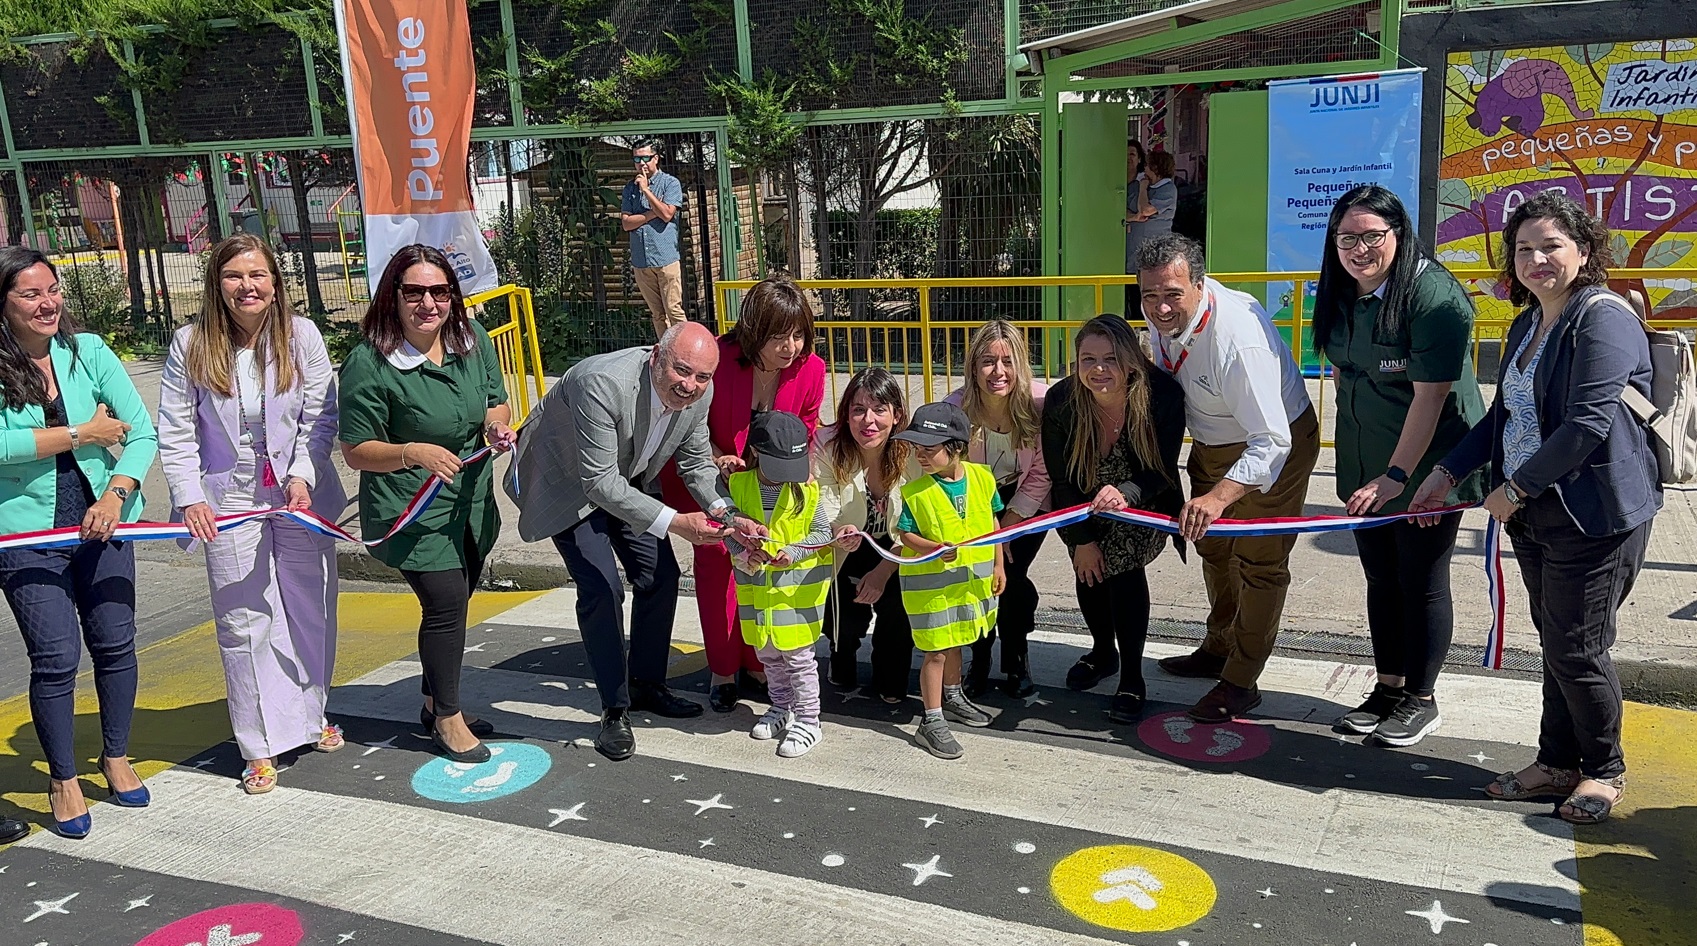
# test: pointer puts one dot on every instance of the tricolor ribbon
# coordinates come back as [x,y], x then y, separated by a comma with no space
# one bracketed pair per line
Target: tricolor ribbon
[1229,528]
[144,531]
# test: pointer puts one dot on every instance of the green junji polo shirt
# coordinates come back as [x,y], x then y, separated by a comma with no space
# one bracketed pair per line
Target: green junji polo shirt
[404,398]
[1376,379]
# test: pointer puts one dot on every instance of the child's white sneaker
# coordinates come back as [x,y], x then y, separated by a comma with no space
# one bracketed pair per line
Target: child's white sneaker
[772,724]
[799,738]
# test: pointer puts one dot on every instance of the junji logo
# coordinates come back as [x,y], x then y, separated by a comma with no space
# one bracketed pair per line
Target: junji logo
[1335,95]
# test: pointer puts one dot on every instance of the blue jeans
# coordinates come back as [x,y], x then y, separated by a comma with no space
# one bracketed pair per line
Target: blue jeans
[53,593]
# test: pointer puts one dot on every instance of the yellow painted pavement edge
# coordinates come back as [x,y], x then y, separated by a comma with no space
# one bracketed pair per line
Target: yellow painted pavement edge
[180,708]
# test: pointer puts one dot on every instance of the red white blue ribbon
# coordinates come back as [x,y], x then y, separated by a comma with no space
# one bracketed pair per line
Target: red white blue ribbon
[144,531]
[1228,528]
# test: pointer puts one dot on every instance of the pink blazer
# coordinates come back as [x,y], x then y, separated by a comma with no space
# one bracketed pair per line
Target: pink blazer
[198,429]
[801,391]
[1031,496]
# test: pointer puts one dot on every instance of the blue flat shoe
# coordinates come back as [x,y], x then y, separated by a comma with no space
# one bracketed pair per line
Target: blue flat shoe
[75,829]
[135,798]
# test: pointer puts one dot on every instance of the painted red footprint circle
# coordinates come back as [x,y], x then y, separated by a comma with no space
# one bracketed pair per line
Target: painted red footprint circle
[1178,735]
[239,924]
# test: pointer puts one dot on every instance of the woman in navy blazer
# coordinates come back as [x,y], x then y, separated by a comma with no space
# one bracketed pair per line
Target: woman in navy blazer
[247,420]
[67,402]
[1576,487]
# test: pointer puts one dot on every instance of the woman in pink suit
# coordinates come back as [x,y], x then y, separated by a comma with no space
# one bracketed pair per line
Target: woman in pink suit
[247,420]
[766,363]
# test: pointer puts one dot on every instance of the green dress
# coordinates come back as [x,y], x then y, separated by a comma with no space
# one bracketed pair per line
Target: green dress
[444,405]
[1376,378]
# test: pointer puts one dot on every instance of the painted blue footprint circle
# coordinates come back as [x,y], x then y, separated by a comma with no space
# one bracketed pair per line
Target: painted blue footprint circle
[512,767]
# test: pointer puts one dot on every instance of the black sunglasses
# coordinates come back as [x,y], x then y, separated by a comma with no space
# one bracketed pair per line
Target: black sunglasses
[441,292]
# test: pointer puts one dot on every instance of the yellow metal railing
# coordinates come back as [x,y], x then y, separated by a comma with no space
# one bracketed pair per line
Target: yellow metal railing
[931,345]
[517,345]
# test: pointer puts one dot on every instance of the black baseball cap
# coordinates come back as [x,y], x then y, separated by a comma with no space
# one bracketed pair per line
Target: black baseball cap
[935,424]
[780,440]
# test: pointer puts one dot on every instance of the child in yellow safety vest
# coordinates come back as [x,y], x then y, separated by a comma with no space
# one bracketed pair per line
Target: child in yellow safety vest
[782,585]
[950,600]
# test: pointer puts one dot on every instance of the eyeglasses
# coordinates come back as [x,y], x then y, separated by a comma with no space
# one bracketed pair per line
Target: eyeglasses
[1349,241]
[641,159]
[441,292]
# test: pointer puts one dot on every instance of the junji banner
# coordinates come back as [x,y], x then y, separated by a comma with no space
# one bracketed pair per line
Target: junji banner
[410,87]
[1326,136]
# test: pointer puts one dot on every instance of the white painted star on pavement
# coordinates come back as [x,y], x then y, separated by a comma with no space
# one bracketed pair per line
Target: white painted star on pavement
[1481,758]
[371,747]
[203,763]
[138,904]
[574,813]
[44,907]
[702,805]
[927,870]
[1297,758]
[1436,916]
[346,937]
[680,777]
[476,648]
[222,936]
[931,821]
[1035,699]
[705,843]
[853,694]
[1266,892]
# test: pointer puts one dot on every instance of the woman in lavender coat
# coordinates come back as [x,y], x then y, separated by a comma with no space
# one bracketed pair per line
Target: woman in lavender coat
[247,420]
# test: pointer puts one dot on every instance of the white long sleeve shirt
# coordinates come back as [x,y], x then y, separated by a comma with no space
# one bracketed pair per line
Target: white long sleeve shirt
[1241,384]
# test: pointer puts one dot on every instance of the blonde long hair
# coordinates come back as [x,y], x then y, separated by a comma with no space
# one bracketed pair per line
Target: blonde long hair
[1022,406]
[1086,450]
[212,343]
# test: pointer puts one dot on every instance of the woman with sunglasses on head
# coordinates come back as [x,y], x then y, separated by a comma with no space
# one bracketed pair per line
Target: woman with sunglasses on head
[247,420]
[65,402]
[1397,329]
[423,390]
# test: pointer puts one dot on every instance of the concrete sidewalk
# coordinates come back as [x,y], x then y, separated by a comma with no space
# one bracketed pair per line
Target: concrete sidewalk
[1325,614]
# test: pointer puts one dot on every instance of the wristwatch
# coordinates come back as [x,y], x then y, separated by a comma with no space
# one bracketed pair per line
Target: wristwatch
[120,492]
[76,441]
[1397,474]
[1513,495]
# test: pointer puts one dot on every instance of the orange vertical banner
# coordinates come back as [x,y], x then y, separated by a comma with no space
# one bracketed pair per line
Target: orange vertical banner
[410,87]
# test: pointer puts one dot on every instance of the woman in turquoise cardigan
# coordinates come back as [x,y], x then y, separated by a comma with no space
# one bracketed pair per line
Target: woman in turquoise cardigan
[65,401]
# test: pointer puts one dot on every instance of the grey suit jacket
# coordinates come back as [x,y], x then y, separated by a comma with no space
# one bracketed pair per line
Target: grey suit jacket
[578,450]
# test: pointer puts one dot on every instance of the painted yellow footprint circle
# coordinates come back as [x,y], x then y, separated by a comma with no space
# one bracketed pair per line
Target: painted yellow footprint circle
[1132,889]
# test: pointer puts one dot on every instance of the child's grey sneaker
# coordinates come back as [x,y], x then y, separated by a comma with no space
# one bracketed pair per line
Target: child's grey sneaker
[934,737]
[966,712]
[799,738]
[772,724]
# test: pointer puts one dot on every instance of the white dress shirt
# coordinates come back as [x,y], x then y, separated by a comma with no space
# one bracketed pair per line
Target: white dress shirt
[1241,384]
[662,422]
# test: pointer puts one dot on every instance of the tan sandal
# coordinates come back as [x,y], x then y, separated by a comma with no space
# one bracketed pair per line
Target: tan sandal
[331,739]
[1589,808]
[259,779]
[1509,787]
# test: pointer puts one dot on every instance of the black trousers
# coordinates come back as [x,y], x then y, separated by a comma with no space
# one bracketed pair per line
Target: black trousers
[593,550]
[847,621]
[444,597]
[1576,584]
[1016,612]
[1116,610]
[1410,613]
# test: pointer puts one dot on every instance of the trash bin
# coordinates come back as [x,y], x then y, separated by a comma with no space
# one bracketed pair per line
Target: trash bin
[248,221]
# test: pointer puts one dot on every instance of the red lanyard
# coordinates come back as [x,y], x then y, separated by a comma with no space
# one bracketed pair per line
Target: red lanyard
[1173,366]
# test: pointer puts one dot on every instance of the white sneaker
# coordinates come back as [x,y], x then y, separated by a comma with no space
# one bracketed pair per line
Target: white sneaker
[772,724]
[799,738]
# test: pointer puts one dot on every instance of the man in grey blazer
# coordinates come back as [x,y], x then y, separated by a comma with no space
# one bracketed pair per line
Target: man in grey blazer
[585,474]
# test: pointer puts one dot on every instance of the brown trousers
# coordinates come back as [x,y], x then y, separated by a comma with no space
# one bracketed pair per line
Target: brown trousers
[662,288]
[1247,577]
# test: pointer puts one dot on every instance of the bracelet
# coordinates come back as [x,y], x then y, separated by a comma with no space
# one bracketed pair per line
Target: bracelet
[404,464]
[1439,468]
[76,440]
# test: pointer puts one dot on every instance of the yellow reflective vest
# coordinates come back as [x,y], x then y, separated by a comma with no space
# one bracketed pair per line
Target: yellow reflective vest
[783,606]
[950,603]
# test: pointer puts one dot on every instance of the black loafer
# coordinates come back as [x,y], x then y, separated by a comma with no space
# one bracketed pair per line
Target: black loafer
[1126,708]
[657,699]
[1092,669]
[481,728]
[752,688]
[723,698]
[476,754]
[616,741]
[11,829]
[1197,665]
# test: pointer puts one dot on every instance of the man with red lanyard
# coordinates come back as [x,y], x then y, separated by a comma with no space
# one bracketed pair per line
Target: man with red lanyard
[1254,442]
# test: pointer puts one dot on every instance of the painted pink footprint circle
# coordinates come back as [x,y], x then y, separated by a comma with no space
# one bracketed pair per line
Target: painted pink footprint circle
[1178,735]
[261,924]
